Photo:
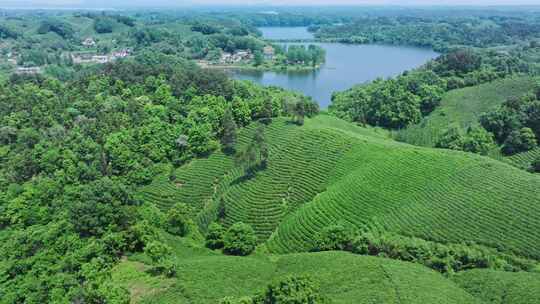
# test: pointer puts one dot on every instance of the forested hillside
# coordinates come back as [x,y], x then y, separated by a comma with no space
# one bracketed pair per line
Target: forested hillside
[74,153]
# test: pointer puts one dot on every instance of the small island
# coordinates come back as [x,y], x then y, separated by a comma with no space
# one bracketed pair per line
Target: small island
[274,57]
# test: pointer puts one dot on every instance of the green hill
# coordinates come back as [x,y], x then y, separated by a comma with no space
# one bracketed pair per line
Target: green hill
[495,287]
[463,107]
[324,172]
[207,277]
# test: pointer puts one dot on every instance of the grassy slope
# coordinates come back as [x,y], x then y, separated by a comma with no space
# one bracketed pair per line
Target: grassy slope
[463,107]
[495,287]
[328,171]
[206,277]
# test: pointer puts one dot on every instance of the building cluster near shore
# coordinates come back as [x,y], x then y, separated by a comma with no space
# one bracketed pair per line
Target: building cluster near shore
[236,57]
[239,56]
[90,57]
[81,57]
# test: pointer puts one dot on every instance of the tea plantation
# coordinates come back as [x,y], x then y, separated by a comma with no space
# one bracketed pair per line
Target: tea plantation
[326,172]
[463,107]
[501,287]
[208,277]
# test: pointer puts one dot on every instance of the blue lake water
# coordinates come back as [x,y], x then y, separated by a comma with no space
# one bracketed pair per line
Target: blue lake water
[346,65]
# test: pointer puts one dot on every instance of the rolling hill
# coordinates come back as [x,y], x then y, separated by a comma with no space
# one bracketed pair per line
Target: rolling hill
[496,287]
[328,171]
[463,107]
[207,277]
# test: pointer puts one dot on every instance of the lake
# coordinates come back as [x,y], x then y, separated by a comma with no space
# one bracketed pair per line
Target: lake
[346,65]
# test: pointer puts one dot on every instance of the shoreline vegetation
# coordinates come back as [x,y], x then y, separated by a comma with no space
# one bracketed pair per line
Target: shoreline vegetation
[264,68]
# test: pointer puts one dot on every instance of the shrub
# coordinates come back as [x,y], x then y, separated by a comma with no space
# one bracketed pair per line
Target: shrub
[536,165]
[214,237]
[240,240]
[160,254]
[178,220]
[443,258]
[451,139]
[335,237]
[140,235]
[519,141]
[478,140]
[167,268]
[291,290]
[103,25]
[157,251]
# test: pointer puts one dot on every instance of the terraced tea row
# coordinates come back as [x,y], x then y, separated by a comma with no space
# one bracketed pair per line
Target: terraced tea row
[501,287]
[438,195]
[342,277]
[317,176]
[523,160]
[296,172]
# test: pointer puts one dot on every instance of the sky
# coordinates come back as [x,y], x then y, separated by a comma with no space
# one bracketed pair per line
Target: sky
[170,3]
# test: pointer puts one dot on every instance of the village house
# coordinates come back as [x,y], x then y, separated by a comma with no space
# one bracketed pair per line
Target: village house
[268,52]
[121,54]
[90,57]
[89,42]
[79,58]
[101,59]
[28,70]
[238,56]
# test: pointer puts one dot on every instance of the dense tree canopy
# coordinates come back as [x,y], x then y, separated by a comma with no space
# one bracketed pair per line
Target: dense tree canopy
[73,153]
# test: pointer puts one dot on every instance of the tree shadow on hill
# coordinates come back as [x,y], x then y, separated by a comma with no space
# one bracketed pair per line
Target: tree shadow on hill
[229,151]
[249,173]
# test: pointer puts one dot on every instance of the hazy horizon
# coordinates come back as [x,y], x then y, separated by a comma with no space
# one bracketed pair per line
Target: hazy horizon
[173,3]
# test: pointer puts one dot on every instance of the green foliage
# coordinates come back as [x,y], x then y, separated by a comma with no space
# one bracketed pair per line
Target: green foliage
[476,140]
[204,28]
[256,153]
[291,290]
[442,258]
[519,141]
[160,255]
[442,31]
[6,32]
[99,207]
[381,103]
[258,58]
[178,219]
[157,251]
[335,237]
[312,55]
[63,29]
[451,139]
[228,139]
[239,240]
[460,61]
[104,25]
[215,236]
[536,165]
[515,124]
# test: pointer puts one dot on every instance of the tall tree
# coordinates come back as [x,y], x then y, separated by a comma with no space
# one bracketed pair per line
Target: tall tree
[228,138]
[300,112]
[256,154]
